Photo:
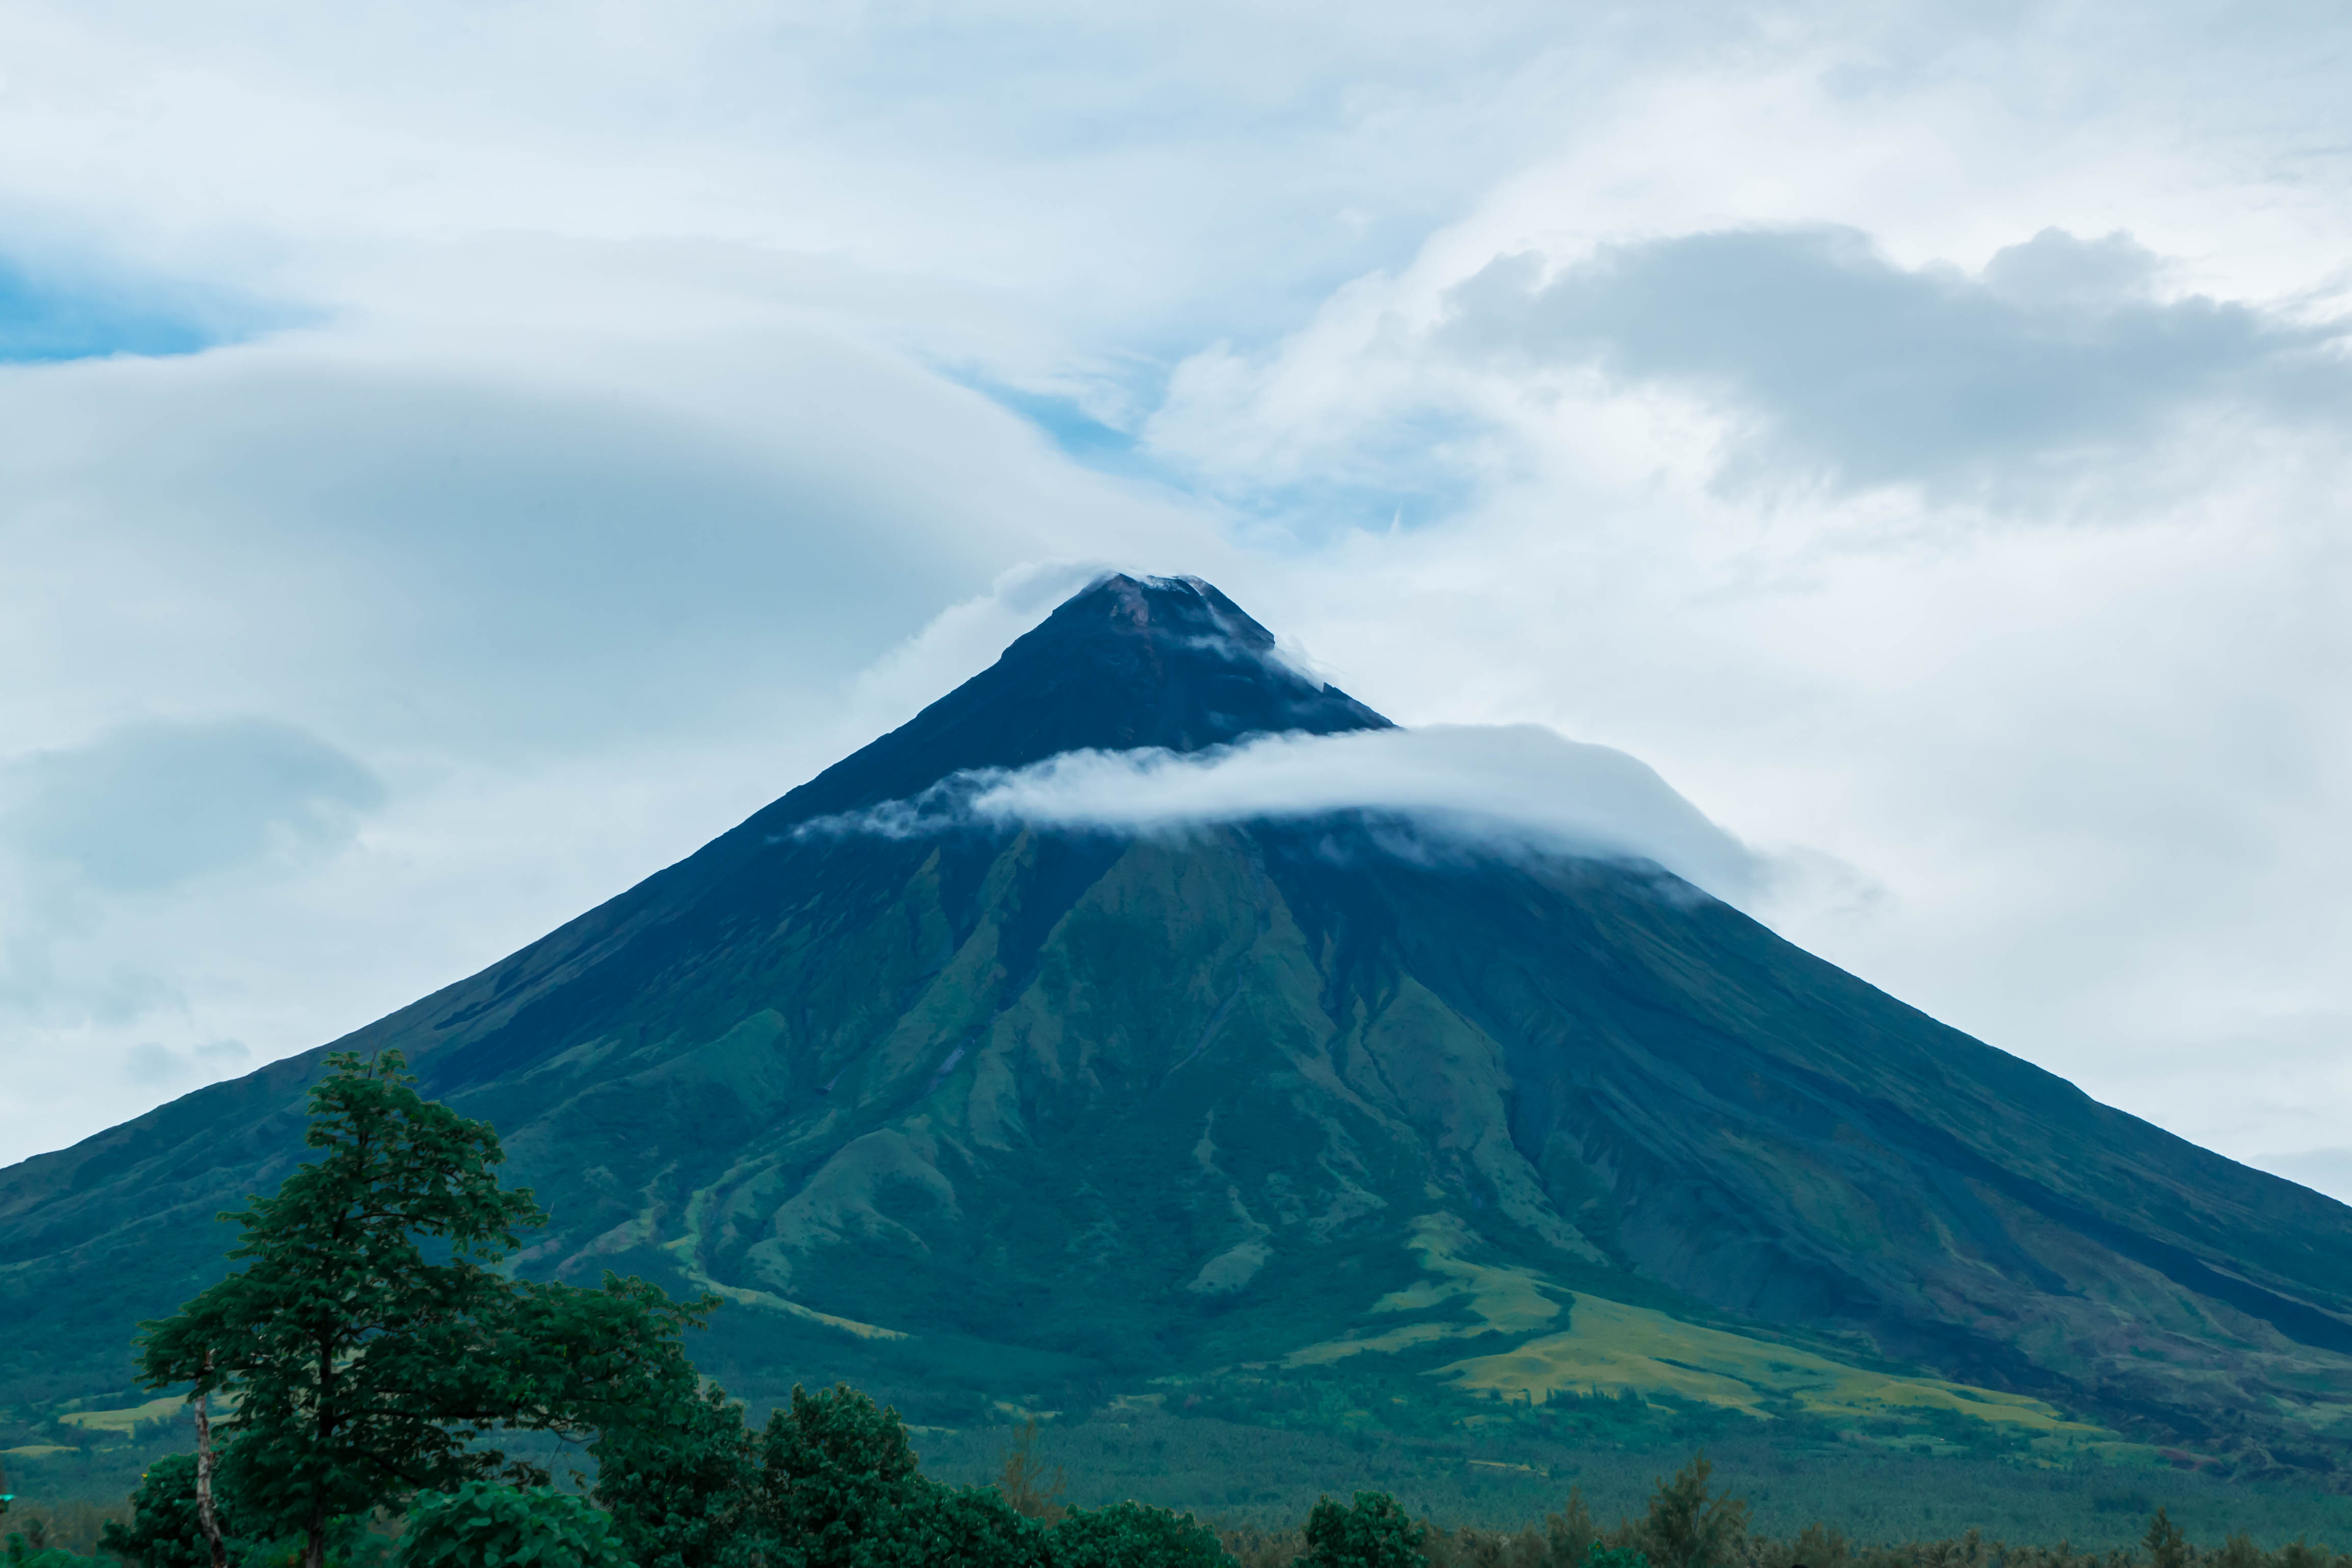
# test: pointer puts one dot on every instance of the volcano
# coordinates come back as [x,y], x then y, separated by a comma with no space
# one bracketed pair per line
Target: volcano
[994,1115]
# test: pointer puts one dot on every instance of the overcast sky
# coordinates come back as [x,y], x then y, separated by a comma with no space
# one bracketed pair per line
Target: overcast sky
[459,457]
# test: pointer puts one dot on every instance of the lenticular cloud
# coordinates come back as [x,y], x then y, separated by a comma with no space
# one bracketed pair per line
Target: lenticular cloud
[1512,787]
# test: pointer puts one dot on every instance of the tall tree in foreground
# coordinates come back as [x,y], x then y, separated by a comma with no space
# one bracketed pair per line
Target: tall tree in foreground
[371,1340]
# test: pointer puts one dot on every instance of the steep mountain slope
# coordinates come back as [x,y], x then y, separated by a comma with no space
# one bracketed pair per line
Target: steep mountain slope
[1049,1116]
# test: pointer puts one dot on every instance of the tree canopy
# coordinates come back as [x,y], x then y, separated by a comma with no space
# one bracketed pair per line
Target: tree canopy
[370,1342]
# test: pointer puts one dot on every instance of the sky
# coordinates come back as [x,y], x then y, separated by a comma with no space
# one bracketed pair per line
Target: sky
[460,457]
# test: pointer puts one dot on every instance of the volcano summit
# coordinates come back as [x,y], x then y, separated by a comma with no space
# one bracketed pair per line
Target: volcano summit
[1067,1115]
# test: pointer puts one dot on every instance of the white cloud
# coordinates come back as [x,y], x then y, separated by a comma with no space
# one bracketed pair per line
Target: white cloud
[551,612]
[1515,789]
[547,539]
[1875,374]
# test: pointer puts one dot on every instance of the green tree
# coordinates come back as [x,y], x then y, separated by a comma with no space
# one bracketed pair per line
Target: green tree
[831,1483]
[370,1337]
[1687,1526]
[932,1526]
[21,1553]
[165,1532]
[481,1525]
[683,1488]
[1616,1557]
[1130,1535]
[835,1470]
[1372,1533]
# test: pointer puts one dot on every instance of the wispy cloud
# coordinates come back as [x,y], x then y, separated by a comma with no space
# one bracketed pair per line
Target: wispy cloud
[1517,788]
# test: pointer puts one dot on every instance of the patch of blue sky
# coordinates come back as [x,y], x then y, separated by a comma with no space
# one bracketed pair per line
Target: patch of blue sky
[45,319]
[1066,422]
[1410,471]
[1411,477]
[1307,513]
[1082,434]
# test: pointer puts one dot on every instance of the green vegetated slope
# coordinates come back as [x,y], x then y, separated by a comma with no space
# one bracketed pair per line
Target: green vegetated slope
[1312,1125]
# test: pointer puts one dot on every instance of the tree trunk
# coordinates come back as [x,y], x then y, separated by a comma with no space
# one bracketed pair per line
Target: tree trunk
[314,1554]
[205,1516]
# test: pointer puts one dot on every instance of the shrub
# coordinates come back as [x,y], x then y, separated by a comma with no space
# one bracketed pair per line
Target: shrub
[164,1531]
[953,1527]
[836,1467]
[1689,1527]
[1372,1533]
[1571,1533]
[682,1490]
[20,1553]
[1616,1557]
[1130,1535]
[482,1525]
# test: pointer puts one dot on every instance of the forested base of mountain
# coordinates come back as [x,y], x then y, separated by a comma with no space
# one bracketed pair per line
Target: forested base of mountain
[1257,1480]
[1856,1511]
[1267,1477]
[1254,1448]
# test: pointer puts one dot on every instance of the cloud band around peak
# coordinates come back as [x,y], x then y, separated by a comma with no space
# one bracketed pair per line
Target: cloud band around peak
[1513,787]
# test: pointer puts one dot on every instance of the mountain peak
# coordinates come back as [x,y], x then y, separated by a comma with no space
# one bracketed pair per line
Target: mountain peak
[1126,662]
[1184,607]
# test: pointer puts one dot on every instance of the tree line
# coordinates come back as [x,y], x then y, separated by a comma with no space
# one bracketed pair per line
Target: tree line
[352,1379]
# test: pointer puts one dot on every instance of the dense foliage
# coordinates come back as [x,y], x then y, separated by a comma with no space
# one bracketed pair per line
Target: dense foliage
[1129,1535]
[831,1482]
[370,1342]
[165,1532]
[481,1525]
[847,1459]
[684,1488]
[1371,1533]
